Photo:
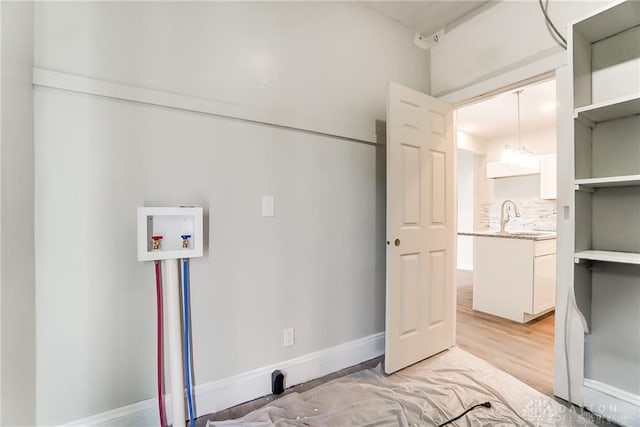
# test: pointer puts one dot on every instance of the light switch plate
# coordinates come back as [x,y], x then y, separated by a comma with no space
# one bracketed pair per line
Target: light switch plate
[268,206]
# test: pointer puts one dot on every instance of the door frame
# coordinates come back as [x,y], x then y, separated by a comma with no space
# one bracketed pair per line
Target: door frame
[509,79]
[504,82]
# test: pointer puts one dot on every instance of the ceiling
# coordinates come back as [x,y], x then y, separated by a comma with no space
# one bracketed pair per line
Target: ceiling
[425,17]
[498,116]
[493,117]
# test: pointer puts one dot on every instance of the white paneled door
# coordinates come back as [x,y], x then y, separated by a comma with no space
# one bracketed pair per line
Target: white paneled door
[421,229]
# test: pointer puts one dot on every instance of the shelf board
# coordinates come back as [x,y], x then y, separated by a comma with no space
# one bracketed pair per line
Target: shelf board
[609,181]
[608,256]
[610,110]
[609,21]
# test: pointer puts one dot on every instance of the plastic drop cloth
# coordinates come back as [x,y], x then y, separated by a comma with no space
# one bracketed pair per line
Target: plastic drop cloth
[426,394]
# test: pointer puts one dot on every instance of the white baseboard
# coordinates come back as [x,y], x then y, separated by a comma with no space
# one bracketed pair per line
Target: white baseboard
[618,406]
[225,393]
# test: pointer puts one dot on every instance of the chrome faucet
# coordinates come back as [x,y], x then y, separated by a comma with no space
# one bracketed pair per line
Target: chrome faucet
[503,221]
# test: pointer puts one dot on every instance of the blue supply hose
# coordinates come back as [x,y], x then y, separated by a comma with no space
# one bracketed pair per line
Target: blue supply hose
[187,350]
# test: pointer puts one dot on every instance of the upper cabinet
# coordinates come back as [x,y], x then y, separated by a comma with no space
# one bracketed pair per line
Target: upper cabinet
[506,169]
[546,168]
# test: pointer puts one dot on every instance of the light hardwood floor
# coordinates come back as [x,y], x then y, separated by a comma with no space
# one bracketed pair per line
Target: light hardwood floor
[522,350]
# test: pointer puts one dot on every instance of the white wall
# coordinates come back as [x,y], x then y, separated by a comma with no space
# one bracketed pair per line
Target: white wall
[539,141]
[318,266]
[478,147]
[471,143]
[330,63]
[465,207]
[504,37]
[17,285]
[471,153]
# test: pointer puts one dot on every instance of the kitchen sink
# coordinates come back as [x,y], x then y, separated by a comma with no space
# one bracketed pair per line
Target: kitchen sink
[524,233]
[529,233]
[512,234]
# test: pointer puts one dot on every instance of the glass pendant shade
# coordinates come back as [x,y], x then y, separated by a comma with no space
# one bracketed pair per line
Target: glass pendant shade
[519,155]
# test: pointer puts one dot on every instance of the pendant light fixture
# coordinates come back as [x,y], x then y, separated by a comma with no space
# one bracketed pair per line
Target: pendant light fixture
[519,155]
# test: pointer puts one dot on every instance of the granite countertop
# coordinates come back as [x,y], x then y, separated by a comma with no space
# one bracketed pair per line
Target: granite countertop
[528,235]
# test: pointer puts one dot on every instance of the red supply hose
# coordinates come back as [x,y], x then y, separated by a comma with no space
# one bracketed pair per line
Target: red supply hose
[163,416]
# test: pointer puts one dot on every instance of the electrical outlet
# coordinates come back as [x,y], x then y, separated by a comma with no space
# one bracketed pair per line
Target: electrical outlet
[289,337]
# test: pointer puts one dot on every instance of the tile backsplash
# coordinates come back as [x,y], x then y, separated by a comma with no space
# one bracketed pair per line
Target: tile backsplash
[535,214]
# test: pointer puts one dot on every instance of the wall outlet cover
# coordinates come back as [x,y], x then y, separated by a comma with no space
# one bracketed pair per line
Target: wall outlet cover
[289,337]
[268,206]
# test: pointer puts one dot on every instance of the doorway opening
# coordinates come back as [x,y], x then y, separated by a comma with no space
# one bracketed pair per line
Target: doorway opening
[506,244]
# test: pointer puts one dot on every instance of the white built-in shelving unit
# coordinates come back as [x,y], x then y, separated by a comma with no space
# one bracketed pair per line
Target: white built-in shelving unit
[604,53]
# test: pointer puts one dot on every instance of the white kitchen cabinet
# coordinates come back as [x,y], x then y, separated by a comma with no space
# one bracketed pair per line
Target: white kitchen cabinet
[548,176]
[544,283]
[514,277]
[506,170]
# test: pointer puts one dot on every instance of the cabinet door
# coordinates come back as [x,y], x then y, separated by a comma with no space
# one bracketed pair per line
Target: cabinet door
[544,283]
[548,176]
